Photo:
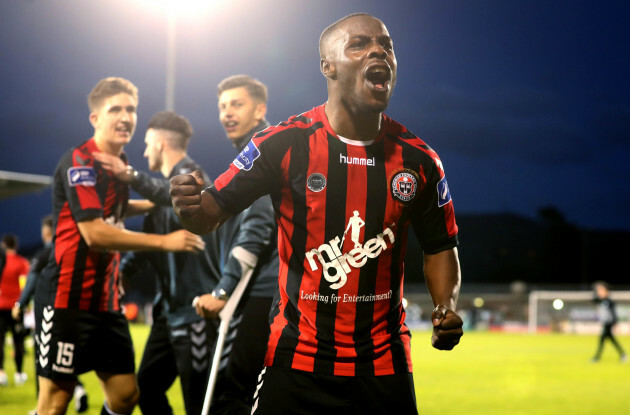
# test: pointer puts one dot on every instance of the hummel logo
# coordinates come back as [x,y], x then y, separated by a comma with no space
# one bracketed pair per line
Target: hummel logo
[199,353]
[361,161]
[45,335]
[48,313]
[199,366]
[198,339]
[46,325]
[199,326]
[43,350]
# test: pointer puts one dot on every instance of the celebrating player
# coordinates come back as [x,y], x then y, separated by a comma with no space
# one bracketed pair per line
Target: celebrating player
[338,341]
[79,326]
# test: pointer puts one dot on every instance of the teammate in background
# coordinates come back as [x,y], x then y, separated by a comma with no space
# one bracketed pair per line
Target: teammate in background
[338,340]
[242,108]
[247,241]
[79,324]
[608,317]
[180,342]
[16,267]
[38,262]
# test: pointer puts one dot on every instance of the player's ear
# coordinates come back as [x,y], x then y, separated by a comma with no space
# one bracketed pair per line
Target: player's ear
[260,111]
[93,119]
[161,143]
[327,68]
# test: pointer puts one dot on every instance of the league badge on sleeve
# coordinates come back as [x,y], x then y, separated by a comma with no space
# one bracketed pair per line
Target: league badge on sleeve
[245,160]
[444,195]
[404,186]
[81,176]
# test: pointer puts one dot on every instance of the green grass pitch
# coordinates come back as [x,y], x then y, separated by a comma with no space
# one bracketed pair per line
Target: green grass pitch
[488,373]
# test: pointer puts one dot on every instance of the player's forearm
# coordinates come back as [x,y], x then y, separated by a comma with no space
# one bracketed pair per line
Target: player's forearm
[154,189]
[100,236]
[443,277]
[138,207]
[29,288]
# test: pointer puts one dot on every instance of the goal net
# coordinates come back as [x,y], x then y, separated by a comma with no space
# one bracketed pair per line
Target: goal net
[573,312]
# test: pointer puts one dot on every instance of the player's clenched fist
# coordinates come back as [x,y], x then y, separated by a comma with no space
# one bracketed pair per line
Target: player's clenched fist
[447,328]
[186,194]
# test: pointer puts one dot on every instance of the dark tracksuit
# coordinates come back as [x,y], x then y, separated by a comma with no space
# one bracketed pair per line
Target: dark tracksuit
[38,263]
[608,317]
[180,341]
[256,231]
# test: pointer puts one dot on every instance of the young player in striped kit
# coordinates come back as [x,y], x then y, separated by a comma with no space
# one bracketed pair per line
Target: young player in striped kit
[79,324]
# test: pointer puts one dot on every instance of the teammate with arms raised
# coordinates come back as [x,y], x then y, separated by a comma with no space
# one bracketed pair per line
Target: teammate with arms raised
[338,341]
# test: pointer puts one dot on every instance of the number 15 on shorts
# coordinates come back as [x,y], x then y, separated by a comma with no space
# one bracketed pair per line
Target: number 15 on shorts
[65,355]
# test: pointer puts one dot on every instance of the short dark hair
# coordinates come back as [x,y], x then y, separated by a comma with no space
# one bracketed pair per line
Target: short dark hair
[256,89]
[108,87]
[47,220]
[10,240]
[171,121]
[331,28]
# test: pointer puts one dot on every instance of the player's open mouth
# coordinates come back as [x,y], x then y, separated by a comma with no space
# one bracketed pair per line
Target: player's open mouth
[123,130]
[378,77]
[230,125]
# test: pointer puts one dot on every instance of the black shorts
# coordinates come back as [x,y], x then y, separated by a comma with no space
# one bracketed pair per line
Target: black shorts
[287,391]
[71,342]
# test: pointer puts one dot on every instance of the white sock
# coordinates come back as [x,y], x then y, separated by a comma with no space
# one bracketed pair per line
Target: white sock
[109,411]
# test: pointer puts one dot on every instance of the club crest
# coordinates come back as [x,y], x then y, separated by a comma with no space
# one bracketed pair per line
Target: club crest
[404,186]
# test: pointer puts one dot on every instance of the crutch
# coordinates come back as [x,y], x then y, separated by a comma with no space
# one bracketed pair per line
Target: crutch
[248,263]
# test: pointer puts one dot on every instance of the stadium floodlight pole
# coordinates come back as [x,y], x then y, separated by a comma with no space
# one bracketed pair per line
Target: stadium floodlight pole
[170,57]
[174,9]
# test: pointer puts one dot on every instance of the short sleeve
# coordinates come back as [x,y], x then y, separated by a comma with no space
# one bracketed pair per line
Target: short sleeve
[432,215]
[256,171]
[78,177]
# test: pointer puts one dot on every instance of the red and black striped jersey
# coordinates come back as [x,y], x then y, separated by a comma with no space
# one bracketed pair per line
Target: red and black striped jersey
[343,211]
[15,266]
[83,278]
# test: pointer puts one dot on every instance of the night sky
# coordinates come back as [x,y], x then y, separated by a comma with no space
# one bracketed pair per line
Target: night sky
[526,102]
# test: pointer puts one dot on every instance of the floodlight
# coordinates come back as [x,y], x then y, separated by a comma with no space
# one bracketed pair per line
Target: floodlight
[184,7]
[178,10]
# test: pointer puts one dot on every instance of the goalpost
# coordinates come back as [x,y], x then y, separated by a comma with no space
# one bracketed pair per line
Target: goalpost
[581,303]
